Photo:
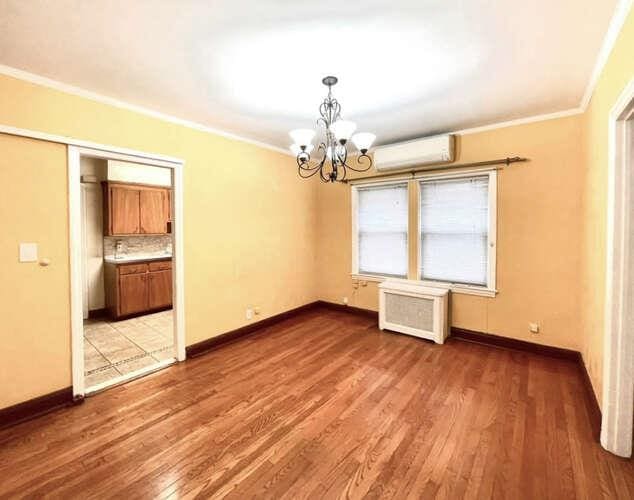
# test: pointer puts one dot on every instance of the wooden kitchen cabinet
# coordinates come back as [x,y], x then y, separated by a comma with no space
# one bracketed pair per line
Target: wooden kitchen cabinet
[124,210]
[139,287]
[153,214]
[133,293]
[136,209]
[160,289]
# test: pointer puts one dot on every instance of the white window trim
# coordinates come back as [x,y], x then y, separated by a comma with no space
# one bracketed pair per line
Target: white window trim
[484,291]
[354,195]
[488,290]
[453,287]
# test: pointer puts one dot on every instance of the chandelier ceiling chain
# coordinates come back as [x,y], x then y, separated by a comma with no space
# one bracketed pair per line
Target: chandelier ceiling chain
[333,165]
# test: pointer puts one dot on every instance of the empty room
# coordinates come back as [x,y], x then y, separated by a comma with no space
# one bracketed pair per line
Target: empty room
[267,249]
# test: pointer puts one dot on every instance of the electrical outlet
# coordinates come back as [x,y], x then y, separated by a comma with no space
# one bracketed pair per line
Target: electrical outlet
[533,328]
[345,300]
[249,313]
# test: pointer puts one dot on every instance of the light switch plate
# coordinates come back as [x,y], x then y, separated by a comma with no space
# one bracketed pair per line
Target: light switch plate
[28,252]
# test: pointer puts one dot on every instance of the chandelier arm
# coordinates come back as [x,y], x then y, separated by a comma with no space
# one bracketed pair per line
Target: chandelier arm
[322,177]
[307,172]
[307,176]
[322,163]
[364,167]
[345,173]
[343,158]
[305,165]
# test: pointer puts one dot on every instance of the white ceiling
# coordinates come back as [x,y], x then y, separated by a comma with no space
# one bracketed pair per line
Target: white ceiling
[254,67]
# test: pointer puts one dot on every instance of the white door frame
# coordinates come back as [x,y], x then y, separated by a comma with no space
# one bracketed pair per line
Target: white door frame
[75,152]
[618,356]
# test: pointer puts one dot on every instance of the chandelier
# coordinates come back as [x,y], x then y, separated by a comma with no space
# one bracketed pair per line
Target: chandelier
[333,149]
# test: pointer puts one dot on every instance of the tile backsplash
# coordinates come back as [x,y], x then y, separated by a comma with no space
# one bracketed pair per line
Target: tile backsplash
[138,244]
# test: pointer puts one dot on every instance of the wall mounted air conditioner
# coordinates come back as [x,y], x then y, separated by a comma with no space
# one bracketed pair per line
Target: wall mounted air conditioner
[420,152]
[406,306]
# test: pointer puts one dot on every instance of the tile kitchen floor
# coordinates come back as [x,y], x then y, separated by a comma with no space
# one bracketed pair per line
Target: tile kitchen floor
[115,348]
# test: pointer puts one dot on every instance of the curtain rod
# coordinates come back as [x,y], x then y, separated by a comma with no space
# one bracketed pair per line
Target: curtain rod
[413,172]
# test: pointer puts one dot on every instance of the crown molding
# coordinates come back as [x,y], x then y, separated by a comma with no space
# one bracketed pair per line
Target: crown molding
[621,12]
[111,101]
[519,121]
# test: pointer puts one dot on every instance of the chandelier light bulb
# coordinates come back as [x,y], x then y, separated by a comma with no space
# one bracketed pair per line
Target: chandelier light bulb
[363,141]
[302,136]
[296,149]
[343,130]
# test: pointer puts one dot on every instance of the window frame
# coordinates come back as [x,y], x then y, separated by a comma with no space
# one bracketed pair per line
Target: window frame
[354,193]
[413,182]
[488,290]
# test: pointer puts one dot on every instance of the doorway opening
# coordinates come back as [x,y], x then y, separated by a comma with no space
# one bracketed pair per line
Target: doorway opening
[126,266]
[618,363]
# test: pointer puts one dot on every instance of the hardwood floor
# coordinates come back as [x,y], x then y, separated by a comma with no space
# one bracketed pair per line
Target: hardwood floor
[321,406]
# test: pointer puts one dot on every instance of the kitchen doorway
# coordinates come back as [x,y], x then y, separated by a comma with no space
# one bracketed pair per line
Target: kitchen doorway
[125,213]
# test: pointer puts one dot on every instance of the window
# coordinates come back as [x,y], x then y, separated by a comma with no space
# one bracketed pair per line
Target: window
[454,230]
[454,243]
[381,230]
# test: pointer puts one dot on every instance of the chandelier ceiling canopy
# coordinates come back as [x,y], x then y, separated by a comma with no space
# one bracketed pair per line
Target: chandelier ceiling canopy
[333,148]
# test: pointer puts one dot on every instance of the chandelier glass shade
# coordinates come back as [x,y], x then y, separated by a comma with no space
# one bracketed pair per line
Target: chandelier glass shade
[334,163]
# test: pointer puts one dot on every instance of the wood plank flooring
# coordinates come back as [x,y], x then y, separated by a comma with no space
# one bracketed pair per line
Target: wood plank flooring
[324,405]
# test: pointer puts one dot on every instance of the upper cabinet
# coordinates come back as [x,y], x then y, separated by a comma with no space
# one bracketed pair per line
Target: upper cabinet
[154,213]
[136,209]
[124,210]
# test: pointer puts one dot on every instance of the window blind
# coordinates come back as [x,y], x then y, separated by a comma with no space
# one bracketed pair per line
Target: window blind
[382,230]
[454,227]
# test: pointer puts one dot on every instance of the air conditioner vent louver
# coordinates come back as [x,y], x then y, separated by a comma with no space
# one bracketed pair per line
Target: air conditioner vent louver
[408,307]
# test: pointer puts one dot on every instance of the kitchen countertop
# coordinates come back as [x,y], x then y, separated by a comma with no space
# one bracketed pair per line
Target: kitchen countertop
[126,259]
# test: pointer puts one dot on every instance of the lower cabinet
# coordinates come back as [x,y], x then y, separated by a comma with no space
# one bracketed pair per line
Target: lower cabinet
[138,287]
[133,293]
[160,289]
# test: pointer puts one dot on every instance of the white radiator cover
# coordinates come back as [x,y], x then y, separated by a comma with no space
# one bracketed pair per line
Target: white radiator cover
[406,306]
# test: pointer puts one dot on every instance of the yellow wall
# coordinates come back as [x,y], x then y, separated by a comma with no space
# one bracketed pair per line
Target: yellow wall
[34,300]
[617,73]
[551,227]
[249,229]
[257,235]
[539,236]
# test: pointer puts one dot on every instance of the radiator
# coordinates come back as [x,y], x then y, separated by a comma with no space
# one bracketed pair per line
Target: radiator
[406,306]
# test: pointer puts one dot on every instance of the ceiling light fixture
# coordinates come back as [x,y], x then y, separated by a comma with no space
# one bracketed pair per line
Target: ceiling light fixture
[334,164]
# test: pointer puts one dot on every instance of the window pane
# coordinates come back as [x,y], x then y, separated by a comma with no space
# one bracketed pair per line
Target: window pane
[382,230]
[454,220]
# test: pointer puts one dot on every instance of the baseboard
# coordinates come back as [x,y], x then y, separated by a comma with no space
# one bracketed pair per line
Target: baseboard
[213,343]
[36,407]
[204,346]
[98,313]
[515,344]
[64,397]
[592,404]
[368,313]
